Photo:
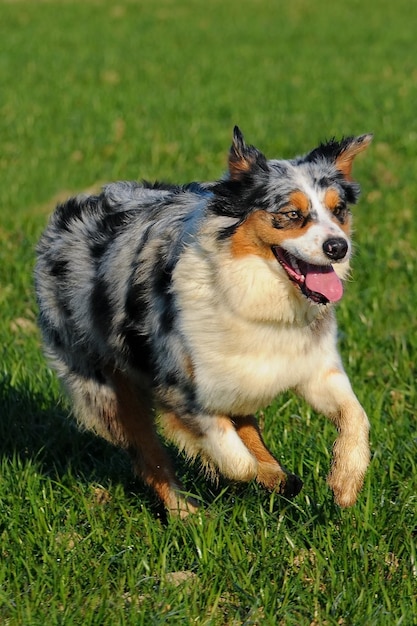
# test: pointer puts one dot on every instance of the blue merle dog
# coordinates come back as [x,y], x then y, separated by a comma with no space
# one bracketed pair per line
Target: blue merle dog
[186,309]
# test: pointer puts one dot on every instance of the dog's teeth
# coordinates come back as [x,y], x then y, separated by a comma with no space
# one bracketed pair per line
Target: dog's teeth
[295,265]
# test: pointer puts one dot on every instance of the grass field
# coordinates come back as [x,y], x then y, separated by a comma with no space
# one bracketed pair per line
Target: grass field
[96,90]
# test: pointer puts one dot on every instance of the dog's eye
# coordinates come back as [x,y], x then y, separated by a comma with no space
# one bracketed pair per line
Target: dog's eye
[290,218]
[340,212]
[293,215]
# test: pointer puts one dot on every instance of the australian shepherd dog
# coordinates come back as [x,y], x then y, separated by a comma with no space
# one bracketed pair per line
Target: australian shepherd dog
[183,310]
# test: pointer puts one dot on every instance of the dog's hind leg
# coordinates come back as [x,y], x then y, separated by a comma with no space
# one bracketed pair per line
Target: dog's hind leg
[270,473]
[117,411]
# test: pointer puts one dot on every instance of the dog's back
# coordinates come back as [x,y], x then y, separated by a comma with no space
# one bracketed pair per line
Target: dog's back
[103,273]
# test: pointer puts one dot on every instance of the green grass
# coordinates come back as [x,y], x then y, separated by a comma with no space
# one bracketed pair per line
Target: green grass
[94,91]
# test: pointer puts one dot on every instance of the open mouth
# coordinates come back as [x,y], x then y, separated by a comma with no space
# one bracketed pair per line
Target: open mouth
[319,283]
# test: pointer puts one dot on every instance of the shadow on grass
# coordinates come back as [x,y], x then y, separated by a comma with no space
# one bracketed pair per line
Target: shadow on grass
[31,428]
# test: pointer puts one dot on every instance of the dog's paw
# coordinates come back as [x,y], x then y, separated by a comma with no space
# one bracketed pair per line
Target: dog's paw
[345,487]
[274,478]
[291,486]
[350,461]
[181,505]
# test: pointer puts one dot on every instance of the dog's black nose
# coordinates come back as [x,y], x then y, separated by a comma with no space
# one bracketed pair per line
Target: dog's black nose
[335,248]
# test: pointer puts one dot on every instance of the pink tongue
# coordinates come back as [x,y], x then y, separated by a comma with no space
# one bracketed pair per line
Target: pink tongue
[324,280]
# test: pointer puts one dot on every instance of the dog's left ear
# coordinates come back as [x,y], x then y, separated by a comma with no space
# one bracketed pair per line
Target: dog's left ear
[348,149]
[244,159]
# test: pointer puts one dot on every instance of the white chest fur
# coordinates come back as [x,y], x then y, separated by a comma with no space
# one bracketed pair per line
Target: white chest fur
[248,331]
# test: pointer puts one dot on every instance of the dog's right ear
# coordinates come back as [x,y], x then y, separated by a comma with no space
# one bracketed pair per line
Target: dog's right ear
[244,159]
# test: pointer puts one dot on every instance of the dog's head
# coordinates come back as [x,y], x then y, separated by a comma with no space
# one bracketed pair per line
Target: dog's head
[293,212]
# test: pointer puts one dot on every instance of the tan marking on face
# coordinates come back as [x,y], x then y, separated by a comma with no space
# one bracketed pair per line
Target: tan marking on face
[331,199]
[257,235]
[299,201]
[346,227]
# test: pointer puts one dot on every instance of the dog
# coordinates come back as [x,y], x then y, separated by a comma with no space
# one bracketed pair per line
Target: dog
[186,309]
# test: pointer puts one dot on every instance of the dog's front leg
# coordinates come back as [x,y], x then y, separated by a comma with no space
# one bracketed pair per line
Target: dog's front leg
[270,473]
[330,393]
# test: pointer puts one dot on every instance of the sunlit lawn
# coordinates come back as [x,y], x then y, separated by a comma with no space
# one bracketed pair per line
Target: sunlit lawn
[92,91]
